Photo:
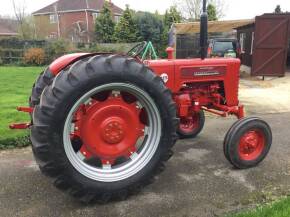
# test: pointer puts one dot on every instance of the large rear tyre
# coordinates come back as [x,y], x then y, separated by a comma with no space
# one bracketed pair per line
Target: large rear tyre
[248,142]
[44,79]
[104,128]
[191,127]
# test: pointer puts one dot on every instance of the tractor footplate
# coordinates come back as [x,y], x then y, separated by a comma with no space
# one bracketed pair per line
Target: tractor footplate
[25,109]
[20,126]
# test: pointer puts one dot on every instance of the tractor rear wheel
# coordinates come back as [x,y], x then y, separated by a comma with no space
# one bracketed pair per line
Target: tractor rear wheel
[44,79]
[104,128]
[191,127]
[248,142]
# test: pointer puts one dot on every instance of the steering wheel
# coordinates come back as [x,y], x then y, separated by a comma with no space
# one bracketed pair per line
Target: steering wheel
[137,49]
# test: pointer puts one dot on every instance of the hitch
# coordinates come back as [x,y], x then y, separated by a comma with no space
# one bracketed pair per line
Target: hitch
[22,126]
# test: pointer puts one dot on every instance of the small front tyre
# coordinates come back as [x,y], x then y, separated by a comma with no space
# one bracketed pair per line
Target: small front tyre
[190,127]
[247,143]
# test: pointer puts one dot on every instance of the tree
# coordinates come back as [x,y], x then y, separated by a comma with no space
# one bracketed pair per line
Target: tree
[172,16]
[26,28]
[104,27]
[211,10]
[192,8]
[278,9]
[150,27]
[126,29]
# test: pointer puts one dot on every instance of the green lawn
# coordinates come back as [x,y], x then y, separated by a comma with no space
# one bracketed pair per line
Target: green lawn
[278,209]
[15,89]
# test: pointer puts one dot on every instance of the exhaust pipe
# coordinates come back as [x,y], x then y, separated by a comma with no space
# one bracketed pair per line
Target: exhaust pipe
[203,31]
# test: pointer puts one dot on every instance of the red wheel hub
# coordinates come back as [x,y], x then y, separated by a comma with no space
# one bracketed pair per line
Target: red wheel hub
[251,145]
[113,130]
[109,129]
[189,124]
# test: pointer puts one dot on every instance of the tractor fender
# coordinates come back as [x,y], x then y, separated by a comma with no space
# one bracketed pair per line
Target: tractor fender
[62,62]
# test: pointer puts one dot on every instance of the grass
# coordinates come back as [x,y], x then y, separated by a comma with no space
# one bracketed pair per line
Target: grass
[15,89]
[277,209]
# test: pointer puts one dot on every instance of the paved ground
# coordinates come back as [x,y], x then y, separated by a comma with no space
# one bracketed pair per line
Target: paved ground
[198,180]
[269,96]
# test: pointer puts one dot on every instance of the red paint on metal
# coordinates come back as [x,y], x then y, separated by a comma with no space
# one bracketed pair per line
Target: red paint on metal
[60,63]
[25,109]
[20,126]
[109,129]
[183,102]
[219,70]
[189,124]
[251,145]
[170,53]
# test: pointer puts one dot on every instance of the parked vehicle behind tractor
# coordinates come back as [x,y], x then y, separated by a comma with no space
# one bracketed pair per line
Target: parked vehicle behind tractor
[103,125]
[224,47]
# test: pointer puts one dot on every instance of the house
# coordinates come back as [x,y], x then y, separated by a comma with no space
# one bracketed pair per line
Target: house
[71,19]
[265,44]
[8,28]
[184,37]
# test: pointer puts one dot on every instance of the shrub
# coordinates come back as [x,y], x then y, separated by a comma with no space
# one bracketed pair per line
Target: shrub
[18,142]
[112,47]
[55,49]
[34,56]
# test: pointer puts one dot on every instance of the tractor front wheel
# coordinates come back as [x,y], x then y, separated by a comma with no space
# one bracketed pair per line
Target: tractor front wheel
[247,143]
[104,128]
[190,127]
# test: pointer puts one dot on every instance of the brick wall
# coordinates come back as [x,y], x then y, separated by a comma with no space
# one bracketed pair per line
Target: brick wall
[68,26]
[69,29]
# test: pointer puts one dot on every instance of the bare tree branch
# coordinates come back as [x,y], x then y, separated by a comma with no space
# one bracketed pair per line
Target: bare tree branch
[19,12]
[191,9]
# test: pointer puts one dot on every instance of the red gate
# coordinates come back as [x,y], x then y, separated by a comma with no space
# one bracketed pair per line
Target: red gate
[271,45]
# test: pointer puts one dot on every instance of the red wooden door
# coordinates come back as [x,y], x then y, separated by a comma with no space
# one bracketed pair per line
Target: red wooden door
[270,45]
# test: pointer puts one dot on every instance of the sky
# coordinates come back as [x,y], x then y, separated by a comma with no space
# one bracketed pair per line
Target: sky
[235,9]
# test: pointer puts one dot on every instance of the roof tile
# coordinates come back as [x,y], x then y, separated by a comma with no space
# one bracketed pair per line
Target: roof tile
[69,5]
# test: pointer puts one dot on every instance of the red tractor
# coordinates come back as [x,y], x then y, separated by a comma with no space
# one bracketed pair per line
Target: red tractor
[103,125]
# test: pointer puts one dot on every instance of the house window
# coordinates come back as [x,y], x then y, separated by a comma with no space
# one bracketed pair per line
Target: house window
[53,18]
[243,42]
[117,19]
[95,16]
[52,35]
[252,44]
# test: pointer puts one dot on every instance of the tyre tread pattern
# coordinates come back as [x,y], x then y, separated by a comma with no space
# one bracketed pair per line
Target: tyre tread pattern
[63,84]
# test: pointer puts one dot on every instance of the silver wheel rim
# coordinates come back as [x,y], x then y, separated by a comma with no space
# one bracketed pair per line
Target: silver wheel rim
[139,160]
